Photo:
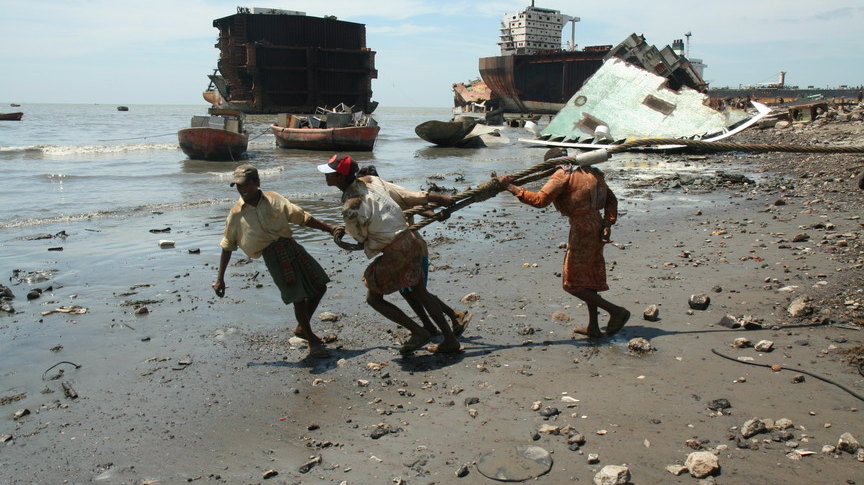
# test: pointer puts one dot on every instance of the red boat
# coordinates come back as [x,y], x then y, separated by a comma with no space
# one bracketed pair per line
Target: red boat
[11,116]
[351,138]
[338,129]
[217,137]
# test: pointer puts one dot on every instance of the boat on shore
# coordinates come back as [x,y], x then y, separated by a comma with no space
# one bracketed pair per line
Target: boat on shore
[218,137]
[11,116]
[339,129]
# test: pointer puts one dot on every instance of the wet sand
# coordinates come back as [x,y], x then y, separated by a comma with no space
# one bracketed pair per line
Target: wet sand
[210,390]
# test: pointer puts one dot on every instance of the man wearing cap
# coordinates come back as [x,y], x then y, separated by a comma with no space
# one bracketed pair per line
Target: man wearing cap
[260,225]
[373,218]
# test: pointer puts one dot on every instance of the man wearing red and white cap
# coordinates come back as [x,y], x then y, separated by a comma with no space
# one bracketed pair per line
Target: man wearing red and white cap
[373,218]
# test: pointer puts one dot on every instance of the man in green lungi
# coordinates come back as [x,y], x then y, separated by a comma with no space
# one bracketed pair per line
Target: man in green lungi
[260,225]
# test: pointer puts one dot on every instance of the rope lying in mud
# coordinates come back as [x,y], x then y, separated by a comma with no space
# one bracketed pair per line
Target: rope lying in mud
[824,379]
[492,187]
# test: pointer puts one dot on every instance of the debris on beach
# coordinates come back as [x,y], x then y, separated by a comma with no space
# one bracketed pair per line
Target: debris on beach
[71,309]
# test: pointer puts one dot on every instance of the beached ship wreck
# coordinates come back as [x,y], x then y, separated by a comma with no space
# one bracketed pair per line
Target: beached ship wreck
[643,92]
[337,129]
[218,137]
[534,74]
[283,61]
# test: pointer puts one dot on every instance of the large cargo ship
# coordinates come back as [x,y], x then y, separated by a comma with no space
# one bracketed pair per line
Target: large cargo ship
[283,61]
[534,74]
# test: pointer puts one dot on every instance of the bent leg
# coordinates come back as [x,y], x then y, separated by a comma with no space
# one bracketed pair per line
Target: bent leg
[432,305]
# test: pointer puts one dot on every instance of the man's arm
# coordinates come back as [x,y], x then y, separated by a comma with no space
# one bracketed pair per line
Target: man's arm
[320,225]
[219,284]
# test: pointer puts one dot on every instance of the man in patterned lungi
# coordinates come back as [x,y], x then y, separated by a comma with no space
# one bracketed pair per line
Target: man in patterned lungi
[579,193]
[373,218]
[260,225]
[459,319]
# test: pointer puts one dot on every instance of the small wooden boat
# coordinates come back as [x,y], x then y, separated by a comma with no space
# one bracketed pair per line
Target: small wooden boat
[220,136]
[122,108]
[11,116]
[331,130]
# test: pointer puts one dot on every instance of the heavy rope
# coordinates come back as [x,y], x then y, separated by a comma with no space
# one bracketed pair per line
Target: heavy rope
[824,379]
[492,187]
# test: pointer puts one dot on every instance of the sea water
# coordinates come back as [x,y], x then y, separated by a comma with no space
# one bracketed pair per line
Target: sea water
[106,178]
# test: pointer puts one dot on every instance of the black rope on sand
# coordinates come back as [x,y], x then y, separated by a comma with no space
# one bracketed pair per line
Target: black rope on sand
[77,366]
[824,379]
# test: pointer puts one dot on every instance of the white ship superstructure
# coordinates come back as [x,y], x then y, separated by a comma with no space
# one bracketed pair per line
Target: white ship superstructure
[532,30]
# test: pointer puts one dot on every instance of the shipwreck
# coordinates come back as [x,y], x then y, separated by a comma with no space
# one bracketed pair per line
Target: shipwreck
[643,92]
[283,61]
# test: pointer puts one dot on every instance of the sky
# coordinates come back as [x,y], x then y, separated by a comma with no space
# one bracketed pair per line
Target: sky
[160,51]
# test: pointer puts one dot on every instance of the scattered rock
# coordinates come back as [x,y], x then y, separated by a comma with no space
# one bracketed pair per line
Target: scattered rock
[801,238]
[548,412]
[719,404]
[269,474]
[593,458]
[797,379]
[470,297]
[783,423]
[741,342]
[166,243]
[561,317]
[848,443]
[699,302]
[328,317]
[701,464]
[612,475]
[753,427]
[20,413]
[639,345]
[141,310]
[652,313]
[764,346]
[800,307]
[729,321]
[462,471]
[676,470]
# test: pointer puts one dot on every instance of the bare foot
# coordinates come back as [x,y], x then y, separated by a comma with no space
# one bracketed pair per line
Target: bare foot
[590,333]
[461,322]
[445,348]
[417,341]
[318,352]
[616,322]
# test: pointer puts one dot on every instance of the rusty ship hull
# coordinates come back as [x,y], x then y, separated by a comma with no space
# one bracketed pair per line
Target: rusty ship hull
[539,83]
[291,63]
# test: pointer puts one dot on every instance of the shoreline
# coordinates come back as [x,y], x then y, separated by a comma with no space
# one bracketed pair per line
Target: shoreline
[210,390]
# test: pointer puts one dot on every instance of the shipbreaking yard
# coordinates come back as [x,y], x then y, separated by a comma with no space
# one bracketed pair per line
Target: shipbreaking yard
[165,383]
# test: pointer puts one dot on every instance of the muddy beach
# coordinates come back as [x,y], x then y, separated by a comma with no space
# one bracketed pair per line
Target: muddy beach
[178,386]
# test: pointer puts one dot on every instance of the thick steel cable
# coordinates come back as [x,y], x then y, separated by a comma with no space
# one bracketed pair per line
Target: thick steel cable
[492,187]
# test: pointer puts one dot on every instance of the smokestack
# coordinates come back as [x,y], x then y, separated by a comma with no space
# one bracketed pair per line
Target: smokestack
[782,78]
